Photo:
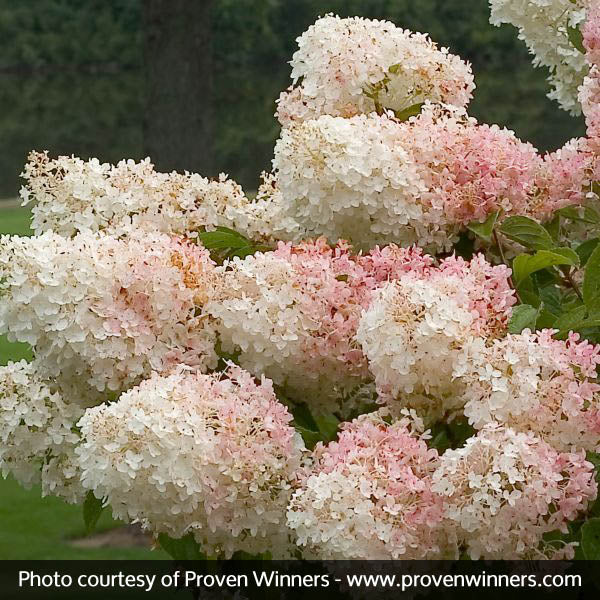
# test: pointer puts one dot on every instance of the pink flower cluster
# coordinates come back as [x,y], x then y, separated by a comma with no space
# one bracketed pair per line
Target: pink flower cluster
[369,496]
[504,490]
[470,170]
[534,383]
[591,33]
[293,314]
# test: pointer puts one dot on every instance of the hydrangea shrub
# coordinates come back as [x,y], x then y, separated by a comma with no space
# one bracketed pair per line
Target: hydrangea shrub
[389,352]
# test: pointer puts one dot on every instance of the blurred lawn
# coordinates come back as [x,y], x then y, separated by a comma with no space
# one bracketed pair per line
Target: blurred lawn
[32,527]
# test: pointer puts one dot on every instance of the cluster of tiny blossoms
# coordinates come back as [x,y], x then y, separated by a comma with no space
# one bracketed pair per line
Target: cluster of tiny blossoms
[292,314]
[38,432]
[504,490]
[372,179]
[133,394]
[207,454]
[369,496]
[107,311]
[416,331]
[589,94]
[70,195]
[544,25]
[532,382]
[346,67]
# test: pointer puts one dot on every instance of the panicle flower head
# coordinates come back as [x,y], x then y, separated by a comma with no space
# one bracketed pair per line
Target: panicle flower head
[470,170]
[293,314]
[108,311]
[345,67]
[71,196]
[37,432]
[350,179]
[544,27]
[368,496]
[209,454]
[589,95]
[591,32]
[372,179]
[564,179]
[532,382]
[416,329]
[504,490]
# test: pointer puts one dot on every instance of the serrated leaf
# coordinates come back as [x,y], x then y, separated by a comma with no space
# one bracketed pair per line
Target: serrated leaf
[590,539]
[410,111]
[92,509]
[550,296]
[591,277]
[523,316]
[553,227]
[527,232]
[584,214]
[566,321]
[185,548]
[525,264]
[484,230]
[585,250]
[576,38]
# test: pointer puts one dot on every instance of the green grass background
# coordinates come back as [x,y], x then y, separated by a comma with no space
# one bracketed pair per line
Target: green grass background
[32,527]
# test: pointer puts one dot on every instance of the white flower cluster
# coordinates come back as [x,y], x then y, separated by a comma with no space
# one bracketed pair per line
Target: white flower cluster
[544,26]
[70,195]
[105,311]
[38,433]
[205,454]
[371,179]
[417,329]
[346,67]
[535,383]
[504,490]
[351,179]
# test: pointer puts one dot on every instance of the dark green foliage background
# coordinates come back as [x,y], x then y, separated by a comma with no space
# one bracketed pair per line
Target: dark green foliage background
[71,75]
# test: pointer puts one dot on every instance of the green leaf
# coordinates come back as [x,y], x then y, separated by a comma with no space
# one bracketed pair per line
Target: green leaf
[185,548]
[525,264]
[585,214]
[311,438]
[553,227]
[524,316]
[550,296]
[222,238]
[328,426]
[410,111]
[590,539]
[484,230]
[527,232]
[576,38]
[585,250]
[594,458]
[545,320]
[591,277]
[92,509]
[568,320]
